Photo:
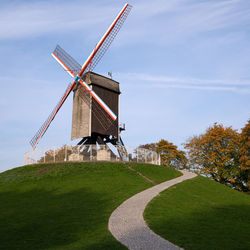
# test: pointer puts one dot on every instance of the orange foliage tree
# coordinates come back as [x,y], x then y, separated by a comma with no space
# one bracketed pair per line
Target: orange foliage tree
[170,155]
[217,154]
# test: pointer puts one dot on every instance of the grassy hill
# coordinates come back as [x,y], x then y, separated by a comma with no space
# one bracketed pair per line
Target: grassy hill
[201,214]
[67,205]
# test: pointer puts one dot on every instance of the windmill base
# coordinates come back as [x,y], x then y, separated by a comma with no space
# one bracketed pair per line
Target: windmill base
[104,152]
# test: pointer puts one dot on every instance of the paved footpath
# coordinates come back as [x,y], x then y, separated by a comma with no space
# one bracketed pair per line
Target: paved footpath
[127,224]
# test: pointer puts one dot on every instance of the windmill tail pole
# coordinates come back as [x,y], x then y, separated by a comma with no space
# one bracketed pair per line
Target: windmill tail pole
[88,61]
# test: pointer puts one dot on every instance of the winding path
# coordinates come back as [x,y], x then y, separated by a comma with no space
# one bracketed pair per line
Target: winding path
[127,224]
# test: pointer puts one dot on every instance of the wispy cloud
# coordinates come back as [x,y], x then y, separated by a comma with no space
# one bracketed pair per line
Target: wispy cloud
[25,19]
[175,18]
[151,81]
[181,19]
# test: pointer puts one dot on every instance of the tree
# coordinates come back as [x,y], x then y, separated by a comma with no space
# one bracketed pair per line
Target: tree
[245,156]
[170,155]
[150,146]
[216,154]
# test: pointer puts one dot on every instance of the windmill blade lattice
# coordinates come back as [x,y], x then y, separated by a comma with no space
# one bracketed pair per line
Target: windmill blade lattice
[39,134]
[109,39]
[71,64]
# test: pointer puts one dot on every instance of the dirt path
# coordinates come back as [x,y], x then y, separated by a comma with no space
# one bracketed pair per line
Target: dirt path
[127,224]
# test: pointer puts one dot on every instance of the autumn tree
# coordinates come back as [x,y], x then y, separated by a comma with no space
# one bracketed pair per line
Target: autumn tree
[170,155]
[216,154]
[245,156]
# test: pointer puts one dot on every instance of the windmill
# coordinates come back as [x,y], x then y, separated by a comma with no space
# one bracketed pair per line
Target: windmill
[96,98]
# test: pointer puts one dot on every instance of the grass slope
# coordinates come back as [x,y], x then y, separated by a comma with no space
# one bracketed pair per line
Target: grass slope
[201,214]
[67,205]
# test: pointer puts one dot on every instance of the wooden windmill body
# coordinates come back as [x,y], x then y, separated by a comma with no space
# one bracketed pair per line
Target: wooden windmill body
[89,121]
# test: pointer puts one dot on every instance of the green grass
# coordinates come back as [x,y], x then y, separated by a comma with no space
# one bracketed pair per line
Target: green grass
[157,174]
[201,214]
[67,205]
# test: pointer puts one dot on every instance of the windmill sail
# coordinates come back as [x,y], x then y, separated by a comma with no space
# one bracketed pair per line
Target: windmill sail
[66,61]
[39,134]
[109,38]
[106,40]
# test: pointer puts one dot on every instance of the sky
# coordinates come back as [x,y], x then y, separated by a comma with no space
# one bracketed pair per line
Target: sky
[182,66]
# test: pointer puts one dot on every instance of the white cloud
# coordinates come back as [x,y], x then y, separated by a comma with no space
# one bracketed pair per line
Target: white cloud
[151,81]
[172,21]
[38,18]
[158,21]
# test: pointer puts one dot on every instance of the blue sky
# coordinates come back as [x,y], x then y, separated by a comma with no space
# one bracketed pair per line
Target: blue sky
[182,65]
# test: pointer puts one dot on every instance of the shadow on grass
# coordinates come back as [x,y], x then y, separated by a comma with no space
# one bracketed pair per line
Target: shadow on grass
[220,227]
[40,219]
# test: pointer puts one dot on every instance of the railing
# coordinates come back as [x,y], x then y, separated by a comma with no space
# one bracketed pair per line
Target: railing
[91,153]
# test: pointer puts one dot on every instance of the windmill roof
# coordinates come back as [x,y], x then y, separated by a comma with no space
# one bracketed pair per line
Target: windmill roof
[102,81]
